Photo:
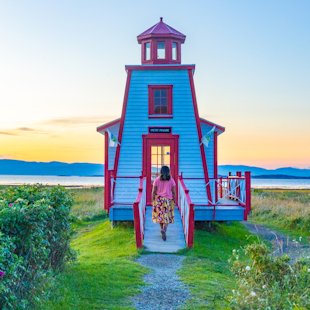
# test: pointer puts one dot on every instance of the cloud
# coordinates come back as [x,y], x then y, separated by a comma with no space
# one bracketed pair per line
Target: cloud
[25,129]
[8,133]
[72,121]
[21,130]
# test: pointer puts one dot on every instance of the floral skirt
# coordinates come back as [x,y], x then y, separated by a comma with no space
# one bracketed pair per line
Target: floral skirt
[163,210]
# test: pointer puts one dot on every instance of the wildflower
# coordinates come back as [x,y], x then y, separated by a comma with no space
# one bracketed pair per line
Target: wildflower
[10,205]
[247,268]
[253,294]
[2,274]
[234,251]
[264,286]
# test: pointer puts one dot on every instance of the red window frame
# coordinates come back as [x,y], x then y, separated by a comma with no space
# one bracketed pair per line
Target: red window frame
[176,51]
[144,51]
[165,50]
[152,113]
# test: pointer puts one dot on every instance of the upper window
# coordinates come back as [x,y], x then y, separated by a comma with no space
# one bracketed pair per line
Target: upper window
[147,51]
[174,50]
[161,51]
[160,100]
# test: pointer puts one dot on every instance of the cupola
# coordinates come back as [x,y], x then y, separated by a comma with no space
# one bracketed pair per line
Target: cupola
[161,44]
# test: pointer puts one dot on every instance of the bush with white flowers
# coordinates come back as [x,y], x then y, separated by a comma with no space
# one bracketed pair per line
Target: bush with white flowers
[268,282]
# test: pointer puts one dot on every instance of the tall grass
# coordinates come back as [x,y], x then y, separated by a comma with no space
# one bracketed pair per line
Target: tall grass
[284,209]
[88,203]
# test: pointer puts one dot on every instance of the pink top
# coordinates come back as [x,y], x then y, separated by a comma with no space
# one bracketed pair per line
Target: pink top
[164,188]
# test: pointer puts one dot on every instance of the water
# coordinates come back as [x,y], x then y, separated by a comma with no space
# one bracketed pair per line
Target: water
[281,183]
[99,181]
[51,180]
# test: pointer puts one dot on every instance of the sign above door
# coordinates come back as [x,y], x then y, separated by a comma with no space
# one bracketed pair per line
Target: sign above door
[159,129]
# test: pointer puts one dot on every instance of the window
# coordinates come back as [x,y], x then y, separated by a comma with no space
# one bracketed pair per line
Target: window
[160,157]
[147,51]
[174,51]
[160,100]
[161,51]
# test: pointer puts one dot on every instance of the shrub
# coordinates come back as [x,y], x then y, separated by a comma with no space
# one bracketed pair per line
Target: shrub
[268,282]
[35,236]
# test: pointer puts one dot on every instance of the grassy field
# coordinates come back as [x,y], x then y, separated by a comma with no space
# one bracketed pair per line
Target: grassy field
[105,275]
[287,210]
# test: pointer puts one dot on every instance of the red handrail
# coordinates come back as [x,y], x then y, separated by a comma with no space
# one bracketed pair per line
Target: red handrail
[189,237]
[243,197]
[247,194]
[139,231]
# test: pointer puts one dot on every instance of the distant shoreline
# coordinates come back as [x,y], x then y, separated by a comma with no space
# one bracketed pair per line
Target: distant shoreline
[102,186]
[264,176]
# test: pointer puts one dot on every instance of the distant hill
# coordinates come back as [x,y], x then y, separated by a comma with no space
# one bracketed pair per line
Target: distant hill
[256,171]
[18,167]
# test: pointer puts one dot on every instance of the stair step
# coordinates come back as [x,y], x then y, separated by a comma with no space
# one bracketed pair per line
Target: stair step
[152,236]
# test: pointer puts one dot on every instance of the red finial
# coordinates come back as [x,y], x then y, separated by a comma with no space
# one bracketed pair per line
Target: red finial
[161,19]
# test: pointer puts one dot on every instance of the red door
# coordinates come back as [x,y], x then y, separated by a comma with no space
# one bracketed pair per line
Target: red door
[159,150]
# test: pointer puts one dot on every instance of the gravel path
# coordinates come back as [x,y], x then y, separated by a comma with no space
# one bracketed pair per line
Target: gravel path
[164,289]
[282,244]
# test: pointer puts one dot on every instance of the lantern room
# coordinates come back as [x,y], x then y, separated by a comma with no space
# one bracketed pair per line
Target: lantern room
[161,44]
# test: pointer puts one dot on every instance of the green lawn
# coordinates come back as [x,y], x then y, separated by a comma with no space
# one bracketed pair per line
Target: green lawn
[104,276]
[206,267]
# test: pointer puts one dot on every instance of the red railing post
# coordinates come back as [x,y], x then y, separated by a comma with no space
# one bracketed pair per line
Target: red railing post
[107,190]
[247,210]
[191,226]
[238,173]
[221,187]
[228,195]
[137,224]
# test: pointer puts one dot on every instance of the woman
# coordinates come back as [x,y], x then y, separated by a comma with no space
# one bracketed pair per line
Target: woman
[163,195]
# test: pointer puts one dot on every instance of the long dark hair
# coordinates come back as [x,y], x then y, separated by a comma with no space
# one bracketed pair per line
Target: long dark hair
[165,173]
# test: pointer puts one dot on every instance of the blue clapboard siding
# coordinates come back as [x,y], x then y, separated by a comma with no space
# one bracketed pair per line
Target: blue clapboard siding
[126,190]
[137,123]
[112,150]
[222,213]
[121,213]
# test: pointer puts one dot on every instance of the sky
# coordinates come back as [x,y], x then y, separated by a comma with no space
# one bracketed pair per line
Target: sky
[62,74]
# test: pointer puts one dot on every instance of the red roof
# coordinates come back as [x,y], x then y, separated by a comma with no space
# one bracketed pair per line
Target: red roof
[218,127]
[108,125]
[161,30]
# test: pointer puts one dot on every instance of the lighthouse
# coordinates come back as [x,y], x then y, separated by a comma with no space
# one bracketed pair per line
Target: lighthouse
[160,125]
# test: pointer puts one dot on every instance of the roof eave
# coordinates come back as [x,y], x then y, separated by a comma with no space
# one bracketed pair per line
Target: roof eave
[220,129]
[147,36]
[105,126]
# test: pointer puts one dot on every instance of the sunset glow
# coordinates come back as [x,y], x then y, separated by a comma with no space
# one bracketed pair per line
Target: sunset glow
[62,75]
